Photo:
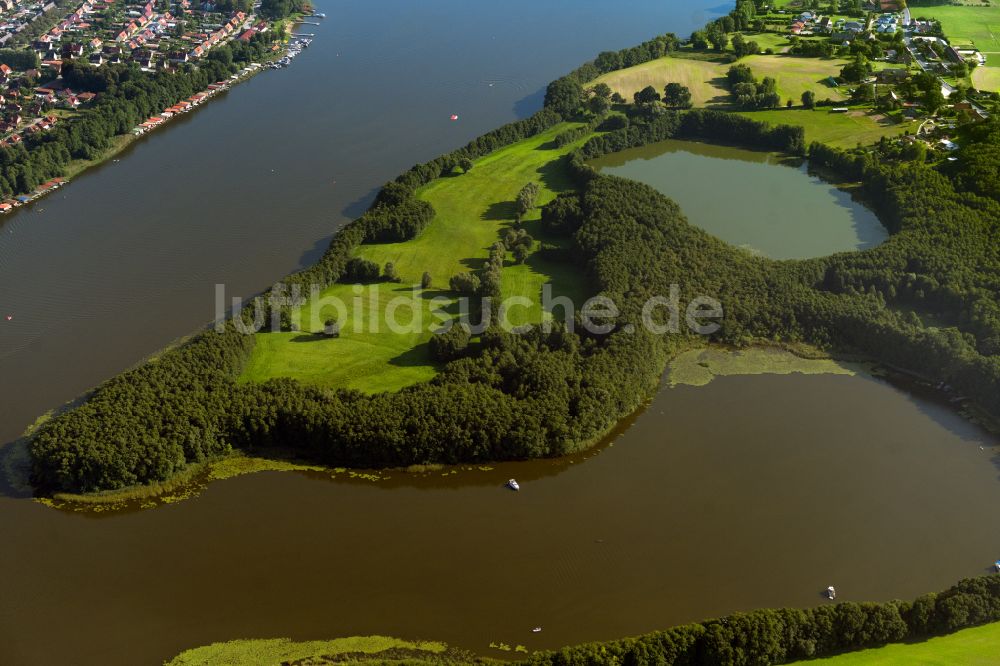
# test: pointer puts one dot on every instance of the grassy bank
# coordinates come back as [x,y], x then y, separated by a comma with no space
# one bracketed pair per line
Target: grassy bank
[274,652]
[184,485]
[978,646]
[472,211]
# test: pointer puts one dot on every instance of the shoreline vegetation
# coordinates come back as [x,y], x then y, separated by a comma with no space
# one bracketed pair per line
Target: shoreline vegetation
[958,623]
[695,366]
[258,652]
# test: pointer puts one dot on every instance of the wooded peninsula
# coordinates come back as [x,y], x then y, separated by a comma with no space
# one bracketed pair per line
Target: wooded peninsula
[925,301]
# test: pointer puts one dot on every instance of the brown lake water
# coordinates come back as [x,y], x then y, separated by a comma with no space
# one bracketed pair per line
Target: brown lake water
[748,492]
[751,491]
[752,199]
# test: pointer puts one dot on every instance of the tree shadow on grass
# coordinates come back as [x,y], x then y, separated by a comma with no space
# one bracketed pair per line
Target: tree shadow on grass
[473,263]
[553,175]
[501,210]
[721,83]
[311,337]
[548,145]
[415,357]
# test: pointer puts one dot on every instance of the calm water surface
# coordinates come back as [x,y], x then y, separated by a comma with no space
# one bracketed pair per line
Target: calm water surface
[751,199]
[753,491]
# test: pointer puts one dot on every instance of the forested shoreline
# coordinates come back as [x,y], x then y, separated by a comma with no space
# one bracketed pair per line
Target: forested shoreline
[777,635]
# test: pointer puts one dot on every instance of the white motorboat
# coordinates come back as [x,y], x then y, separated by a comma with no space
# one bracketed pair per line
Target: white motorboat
[513,484]
[831,593]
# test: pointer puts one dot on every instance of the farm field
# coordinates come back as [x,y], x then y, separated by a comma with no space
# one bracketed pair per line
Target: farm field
[707,79]
[973,26]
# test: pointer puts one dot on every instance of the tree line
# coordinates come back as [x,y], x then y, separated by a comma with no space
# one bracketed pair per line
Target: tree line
[781,636]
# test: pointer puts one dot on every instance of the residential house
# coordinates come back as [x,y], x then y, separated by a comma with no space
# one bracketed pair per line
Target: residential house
[894,75]
[954,55]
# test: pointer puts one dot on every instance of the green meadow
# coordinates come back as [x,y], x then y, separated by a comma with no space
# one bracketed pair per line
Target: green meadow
[841,130]
[978,646]
[472,211]
[966,25]
[972,25]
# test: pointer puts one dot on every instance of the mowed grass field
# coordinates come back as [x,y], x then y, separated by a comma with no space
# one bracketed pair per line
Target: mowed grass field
[472,211]
[967,25]
[975,26]
[707,80]
[841,130]
[978,646]
[987,78]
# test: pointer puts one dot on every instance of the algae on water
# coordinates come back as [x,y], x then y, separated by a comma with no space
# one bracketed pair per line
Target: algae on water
[700,366]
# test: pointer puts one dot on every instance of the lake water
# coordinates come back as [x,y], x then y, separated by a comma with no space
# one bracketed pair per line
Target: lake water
[751,199]
[752,491]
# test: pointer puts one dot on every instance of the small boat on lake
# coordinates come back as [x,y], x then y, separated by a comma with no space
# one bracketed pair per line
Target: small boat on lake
[831,593]
[513,484]
[996,565]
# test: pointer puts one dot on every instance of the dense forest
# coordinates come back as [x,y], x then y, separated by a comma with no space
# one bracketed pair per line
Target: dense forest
[925,300]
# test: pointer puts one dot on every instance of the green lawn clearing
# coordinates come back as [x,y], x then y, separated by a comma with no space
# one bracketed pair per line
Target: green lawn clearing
[987,78]
[978,646]
[472,210]
[841,130]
